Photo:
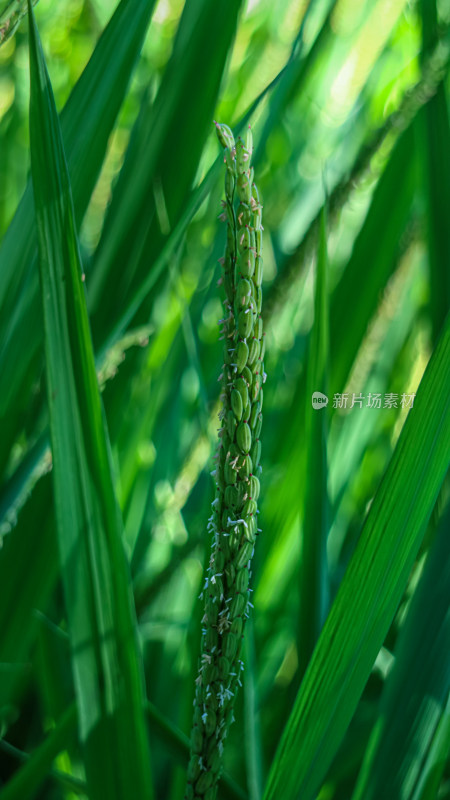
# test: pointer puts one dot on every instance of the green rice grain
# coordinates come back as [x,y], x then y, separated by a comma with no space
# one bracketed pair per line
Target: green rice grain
[233,524]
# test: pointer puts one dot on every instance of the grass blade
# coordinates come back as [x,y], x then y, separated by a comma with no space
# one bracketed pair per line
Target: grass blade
[162,159]
[436,143]
[437,760]
[313,572]
[416,690]
[370,591]
[253,744]
[107,670]
[87,121]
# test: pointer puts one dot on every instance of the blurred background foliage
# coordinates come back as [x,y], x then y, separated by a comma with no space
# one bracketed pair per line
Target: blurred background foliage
[357,110]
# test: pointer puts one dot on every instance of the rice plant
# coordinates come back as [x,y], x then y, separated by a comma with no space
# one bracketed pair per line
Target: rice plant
[170,565]
[233,522]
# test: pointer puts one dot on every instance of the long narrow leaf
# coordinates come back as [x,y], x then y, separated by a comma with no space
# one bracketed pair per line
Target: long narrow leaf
[416,690]
[162,158]
[313,573]
[436,142]
[253,744]
[437,760]
[87,121]
[107,670]
[370,591]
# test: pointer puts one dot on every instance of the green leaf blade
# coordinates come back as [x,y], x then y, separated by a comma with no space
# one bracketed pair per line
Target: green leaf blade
[107,670]
[314,578]
[177,117]
[370,591]
[87,121]
[416,690]
[436,151]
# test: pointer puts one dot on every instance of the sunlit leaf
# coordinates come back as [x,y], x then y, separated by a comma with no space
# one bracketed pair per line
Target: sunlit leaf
[370,592]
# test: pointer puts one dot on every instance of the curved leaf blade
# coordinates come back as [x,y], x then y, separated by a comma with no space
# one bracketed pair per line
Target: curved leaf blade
[415,693]
[370,591]
[107,669]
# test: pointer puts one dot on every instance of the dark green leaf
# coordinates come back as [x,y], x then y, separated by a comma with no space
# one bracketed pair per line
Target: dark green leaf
[435,142]
[28,779]
[22,547]
[106,665]
[313,572]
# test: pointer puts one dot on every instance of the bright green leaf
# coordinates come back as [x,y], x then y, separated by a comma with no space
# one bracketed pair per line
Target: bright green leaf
[416,691]
[370,591]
